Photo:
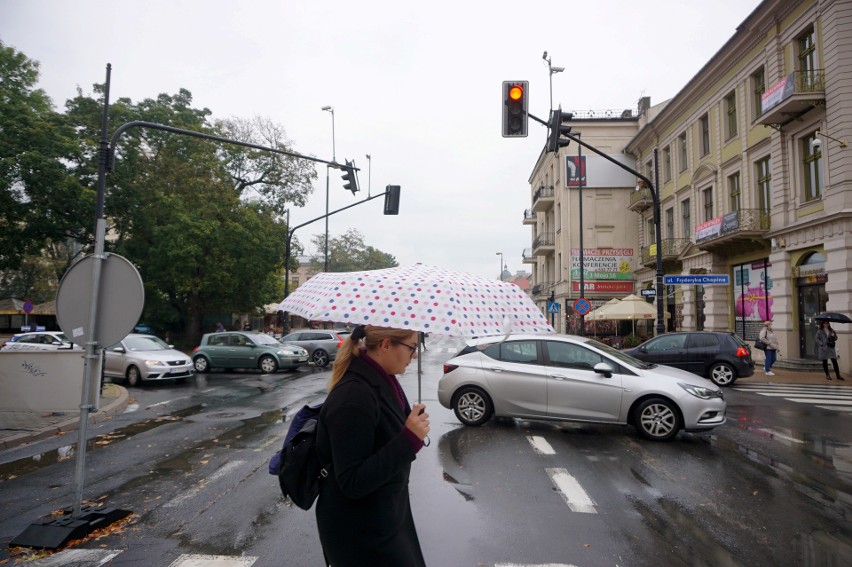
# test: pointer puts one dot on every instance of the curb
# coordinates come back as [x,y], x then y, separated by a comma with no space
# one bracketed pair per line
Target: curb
[116,406]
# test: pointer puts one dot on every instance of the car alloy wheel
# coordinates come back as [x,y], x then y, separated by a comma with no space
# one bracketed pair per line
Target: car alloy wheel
[320,358]
[268,365]
[657,419]
[472,406]
[722,374]
[133,378]
[201,364]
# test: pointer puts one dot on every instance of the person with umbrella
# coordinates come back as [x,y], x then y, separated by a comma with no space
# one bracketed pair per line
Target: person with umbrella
[370,434]
[826,338]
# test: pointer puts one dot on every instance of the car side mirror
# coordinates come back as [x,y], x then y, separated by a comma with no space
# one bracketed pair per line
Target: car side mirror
[119,349]
[604,368]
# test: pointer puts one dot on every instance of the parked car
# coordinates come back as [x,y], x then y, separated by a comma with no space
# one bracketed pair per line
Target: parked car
[246,349]
[570,378]
[139,358]
[321,345]
[40,340]
[720,356]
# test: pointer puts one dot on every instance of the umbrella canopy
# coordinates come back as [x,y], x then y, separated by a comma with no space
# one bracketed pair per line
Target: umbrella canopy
[833,317]
[420,298]
[629,308]
[599,314]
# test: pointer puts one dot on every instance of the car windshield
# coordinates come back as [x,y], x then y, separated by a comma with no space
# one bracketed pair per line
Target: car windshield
[262,339]
[145,343]
[620,356]
[62,337]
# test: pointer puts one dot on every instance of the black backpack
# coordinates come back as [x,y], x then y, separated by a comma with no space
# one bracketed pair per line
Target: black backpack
[297,465]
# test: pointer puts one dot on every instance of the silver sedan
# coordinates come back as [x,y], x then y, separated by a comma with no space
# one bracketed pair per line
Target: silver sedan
[140,358]
[570,378]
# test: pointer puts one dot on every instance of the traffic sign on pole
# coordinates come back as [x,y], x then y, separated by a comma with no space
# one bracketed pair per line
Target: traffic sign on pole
[582,306]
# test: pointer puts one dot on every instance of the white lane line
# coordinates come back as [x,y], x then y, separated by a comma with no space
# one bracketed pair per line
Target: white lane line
[167,402]
[534,565]
[89,557]
[131,408]
[571,491]
[183,497]
[828,401]
[805,395]
[836,408]
[540,445]
[776,435]
[192,560]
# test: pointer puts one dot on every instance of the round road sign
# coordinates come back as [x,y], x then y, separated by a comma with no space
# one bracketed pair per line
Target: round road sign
[28,306]
[582,306]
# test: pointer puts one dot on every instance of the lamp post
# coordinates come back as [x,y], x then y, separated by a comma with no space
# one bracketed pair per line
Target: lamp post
[501,265]
[658,245]
[552,71]
[334,159]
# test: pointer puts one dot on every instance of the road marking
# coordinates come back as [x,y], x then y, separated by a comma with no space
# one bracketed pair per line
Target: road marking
[131,408]
[191,560]
[571,491]
[534,565]
[540,445]
[167,402]
[183,497]
[776,435]
[836,408]
[79,558]
[829,401]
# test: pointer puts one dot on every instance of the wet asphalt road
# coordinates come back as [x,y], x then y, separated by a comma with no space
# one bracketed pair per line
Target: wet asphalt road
[771,487]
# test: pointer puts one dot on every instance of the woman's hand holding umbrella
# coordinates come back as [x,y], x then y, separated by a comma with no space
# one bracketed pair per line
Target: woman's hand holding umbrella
[418,422]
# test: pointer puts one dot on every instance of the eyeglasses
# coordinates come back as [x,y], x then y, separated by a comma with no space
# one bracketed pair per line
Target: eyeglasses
[412,348]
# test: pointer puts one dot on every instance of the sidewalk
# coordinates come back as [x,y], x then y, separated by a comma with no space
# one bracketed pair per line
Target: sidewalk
[22,427]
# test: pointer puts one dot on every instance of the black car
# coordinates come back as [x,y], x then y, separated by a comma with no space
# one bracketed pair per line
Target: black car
[720,356]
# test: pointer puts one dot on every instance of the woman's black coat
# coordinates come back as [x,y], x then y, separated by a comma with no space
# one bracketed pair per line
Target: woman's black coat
[363,512]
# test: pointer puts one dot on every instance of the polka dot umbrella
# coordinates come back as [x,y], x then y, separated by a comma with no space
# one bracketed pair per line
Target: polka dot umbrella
[421,298]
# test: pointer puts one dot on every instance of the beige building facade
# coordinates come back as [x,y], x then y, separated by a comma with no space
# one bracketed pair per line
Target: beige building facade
[754,185]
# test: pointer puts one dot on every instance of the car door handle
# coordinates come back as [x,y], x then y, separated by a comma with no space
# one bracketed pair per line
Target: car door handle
[496,369]
[559,376]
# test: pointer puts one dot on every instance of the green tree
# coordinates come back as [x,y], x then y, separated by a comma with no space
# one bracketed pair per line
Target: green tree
[40,201]
[349,253]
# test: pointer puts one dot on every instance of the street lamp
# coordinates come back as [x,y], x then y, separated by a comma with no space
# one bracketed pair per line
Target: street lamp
[333,159]
[658,246]
[501,265]
[553,70]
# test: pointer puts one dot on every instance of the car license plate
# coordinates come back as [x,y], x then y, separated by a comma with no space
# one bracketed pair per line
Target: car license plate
[303,359]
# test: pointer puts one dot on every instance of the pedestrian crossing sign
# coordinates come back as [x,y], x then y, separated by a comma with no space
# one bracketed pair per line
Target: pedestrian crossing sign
[552,307]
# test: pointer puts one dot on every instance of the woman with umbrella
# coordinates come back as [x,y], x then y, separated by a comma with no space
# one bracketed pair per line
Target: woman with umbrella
[826,338]
[370,434]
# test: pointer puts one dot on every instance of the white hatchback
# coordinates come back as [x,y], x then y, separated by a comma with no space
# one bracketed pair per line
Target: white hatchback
[41,340]
[571,378]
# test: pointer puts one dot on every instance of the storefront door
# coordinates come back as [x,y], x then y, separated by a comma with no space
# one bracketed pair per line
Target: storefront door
[812,301]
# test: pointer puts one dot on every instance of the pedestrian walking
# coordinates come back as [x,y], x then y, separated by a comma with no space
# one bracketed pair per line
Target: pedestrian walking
[767,336]
[220,327]
[826,339]
[370,434]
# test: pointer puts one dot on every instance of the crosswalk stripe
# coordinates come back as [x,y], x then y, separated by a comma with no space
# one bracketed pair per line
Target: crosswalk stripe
[540,445]
[836,408]
[186,495]
[804,395]
[829,401]
[573,494]
[192,560]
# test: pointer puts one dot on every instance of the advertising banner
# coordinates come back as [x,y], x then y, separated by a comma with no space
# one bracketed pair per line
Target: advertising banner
[708,229]
[604,287]
[603,263]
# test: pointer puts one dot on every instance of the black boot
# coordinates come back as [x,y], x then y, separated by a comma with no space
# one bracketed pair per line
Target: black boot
[827,377]
[839,377]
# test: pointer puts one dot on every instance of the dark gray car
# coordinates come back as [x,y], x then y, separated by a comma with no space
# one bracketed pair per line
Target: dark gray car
[321,345]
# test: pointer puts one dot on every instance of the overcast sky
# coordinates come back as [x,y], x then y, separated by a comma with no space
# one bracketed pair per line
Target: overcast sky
[417,85]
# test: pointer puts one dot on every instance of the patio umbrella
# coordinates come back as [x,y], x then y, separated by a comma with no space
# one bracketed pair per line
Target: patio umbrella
[629,308]
[833,317]
[421,298]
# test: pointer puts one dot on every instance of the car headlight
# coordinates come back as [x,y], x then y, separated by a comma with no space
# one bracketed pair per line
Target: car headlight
[153,363]
[700,391]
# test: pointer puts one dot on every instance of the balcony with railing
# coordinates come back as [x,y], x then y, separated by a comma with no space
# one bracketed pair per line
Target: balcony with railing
[542,288]
[792,96]
[544,244]
[529,217]
[543,199]
[671,251]
[735,232]
[528,256]
[641,200]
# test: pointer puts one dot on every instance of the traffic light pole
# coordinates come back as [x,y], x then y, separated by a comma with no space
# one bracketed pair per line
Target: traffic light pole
[661,324]
[287,248]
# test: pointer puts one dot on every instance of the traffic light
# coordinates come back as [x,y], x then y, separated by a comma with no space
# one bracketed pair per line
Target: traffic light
[392,200]
[557,128]
[350,182]
[515,104]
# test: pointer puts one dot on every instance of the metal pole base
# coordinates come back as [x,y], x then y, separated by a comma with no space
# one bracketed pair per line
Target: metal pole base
[50,532]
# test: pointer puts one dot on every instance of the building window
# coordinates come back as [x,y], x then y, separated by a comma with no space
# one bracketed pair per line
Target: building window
[704,128]
[682,157]
[758,87]
[652,235]
[667,164]
[686,218]
[670,231]
[649,169]
[731,114]
[807,52]
[812,158]
[708,205]
[764,176]
[734,191]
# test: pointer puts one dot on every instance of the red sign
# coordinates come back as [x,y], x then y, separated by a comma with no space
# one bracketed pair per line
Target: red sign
[604,287]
